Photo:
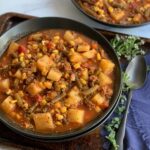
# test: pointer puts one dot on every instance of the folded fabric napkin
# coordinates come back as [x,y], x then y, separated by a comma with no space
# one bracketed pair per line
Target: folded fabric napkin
[138,125]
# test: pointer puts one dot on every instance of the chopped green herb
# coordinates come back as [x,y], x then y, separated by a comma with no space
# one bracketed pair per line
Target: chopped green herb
[127,46]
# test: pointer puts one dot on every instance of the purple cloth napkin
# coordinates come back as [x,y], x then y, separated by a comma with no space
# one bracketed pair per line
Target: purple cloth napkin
[138,125]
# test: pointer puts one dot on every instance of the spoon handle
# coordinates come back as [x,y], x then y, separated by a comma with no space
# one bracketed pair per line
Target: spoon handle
[121,132]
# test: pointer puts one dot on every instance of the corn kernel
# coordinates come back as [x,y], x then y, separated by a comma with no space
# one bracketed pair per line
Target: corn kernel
[29,55]
[56,38]
[27,61]
[23,64]
[13,114]
[21,59]
[77,66]
[18,116]
[72,43]
[83,81]
[58,123]
[63,109]
[110,9]
[67,105]
[72,50]
[57,110]
[24,76]
[13,101]
[21,54]
[15,61]
[97,109]
[39,55]
[44,42]
[43,102]
[48,84]
[44,49]
[110,1]
[63,86]
[41,84]
[98,56]
[59,117]
[52,111]
[9,92]
[21,93]
[129,19]
[35,46]
[57,105]
[66,75]
[55,51]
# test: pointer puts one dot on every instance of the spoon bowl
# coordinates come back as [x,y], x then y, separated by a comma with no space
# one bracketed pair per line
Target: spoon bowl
[136,71]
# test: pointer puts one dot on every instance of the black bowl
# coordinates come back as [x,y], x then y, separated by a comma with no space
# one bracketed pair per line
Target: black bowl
[107,23]
[39,24]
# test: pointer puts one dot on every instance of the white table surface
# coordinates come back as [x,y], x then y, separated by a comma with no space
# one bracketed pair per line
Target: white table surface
[63,8]
[60,8]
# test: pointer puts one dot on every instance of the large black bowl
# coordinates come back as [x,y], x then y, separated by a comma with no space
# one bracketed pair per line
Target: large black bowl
[39,24]
[107,23]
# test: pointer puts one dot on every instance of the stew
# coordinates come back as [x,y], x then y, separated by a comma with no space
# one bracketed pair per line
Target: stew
[55,81]
[125,12]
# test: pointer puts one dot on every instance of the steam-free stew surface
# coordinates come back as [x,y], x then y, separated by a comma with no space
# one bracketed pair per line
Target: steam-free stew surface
[55,81]
[123,12]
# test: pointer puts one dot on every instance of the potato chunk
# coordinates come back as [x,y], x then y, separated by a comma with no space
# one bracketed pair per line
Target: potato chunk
[44,63]
[104,79]
[4,85]
[68,36]
[34,89]
[137,18]
[13,47]
[107,66]
[7,105]
[98,99]
[90,54]
[76,115]
[117,14]
[83,48]
[43,121]
[54,74]
[73,97]
[76,57]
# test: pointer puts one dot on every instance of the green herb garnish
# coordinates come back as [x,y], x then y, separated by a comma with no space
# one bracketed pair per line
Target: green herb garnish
[127,47]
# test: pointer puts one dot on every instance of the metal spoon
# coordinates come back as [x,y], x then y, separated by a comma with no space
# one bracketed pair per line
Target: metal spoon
[136,71]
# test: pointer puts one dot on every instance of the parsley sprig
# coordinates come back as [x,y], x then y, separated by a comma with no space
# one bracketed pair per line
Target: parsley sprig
[126,47]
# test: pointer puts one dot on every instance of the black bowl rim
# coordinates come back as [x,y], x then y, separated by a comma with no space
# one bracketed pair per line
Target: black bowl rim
[87,127]
[106,23]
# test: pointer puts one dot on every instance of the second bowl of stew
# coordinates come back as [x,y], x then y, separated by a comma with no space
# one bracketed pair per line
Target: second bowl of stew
[58,78]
